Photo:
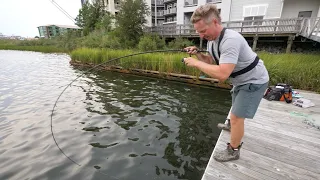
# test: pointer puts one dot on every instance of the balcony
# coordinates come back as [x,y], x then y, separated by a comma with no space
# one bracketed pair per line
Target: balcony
[265,27]
[159,13]
[170,11]
[190,2]
[172,19]
[214,1]
[159,2]
[168,1]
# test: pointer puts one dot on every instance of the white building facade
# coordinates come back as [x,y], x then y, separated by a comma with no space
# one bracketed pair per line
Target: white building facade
[180,11]
[166,12]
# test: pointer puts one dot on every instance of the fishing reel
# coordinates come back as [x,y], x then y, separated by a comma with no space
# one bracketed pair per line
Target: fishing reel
[197,50]
[183,50]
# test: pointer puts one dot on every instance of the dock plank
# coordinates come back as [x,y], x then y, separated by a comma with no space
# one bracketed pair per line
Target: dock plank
[262,167]
[277,145]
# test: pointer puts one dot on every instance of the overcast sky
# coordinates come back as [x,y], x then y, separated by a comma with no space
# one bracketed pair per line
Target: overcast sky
[22,17]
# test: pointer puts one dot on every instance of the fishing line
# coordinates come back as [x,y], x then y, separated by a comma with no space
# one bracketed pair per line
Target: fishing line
[83,73]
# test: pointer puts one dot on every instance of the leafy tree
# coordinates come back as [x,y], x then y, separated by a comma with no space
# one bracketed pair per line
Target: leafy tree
[146,43]
[180,43]
[130,21]
[151,42]
[93,16]
[105,22]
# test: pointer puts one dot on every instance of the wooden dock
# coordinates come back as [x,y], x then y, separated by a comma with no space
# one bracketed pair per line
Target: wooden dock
[277,145]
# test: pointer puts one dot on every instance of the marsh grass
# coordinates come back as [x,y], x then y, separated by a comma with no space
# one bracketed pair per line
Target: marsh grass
[162,62]
[302,71]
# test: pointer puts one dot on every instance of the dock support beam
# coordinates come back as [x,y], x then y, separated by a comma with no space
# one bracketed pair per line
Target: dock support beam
[255,41]
[289,44]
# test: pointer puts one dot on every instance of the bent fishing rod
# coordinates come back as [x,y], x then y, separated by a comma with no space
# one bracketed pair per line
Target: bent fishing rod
[92,68]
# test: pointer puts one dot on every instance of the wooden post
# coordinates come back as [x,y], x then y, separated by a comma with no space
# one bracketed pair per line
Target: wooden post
[201,41]
[255,41]
[276,26]
[241,27]
[289,43]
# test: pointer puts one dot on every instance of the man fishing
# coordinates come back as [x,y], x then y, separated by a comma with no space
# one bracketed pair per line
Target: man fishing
[230,57]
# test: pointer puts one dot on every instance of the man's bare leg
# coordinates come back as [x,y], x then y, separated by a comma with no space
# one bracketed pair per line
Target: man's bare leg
[237,130]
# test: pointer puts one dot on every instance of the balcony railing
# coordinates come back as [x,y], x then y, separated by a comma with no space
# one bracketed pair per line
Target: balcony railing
[214,1]
[267,26]
[167,1]
[159,13]
[172,19]
[190,2]
[170,11]
[159,2]
[310,28]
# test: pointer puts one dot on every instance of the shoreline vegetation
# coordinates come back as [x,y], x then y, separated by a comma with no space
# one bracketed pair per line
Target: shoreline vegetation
[302,71]
[105,37]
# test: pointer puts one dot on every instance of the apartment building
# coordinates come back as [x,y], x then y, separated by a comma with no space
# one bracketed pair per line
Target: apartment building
[52,30]
[170,12]
[180,11]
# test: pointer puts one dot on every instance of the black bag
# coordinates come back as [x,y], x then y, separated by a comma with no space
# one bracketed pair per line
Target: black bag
[273,94]
[280,92]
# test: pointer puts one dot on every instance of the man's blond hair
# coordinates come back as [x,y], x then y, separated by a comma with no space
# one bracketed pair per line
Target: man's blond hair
[206,13]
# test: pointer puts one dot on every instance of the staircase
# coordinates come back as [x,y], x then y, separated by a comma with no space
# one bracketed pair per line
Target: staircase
[310,28]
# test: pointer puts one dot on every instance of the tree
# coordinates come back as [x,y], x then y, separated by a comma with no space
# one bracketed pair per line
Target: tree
[93,16]
[105,23]
[130,21]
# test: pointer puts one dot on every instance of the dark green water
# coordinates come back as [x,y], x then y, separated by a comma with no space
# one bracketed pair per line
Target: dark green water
[115,126]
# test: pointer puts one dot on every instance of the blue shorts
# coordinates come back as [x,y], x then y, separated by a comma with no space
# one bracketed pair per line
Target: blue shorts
[246,99]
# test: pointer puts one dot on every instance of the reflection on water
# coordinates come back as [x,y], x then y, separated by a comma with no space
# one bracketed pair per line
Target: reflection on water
[127,127]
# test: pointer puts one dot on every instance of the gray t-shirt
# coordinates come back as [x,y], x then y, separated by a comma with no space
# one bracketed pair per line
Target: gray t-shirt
[235,49]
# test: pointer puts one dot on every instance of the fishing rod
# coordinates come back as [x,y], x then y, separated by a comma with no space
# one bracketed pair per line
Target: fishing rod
[90,69]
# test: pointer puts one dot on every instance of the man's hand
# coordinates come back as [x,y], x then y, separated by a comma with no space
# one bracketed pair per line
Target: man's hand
[191,50]
[192,62]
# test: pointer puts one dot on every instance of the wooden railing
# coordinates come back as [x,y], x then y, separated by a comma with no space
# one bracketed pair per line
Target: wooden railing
[267,26]
[310,27]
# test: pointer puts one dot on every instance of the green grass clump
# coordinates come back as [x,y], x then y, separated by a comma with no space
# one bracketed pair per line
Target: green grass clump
[162,62]
[302,71]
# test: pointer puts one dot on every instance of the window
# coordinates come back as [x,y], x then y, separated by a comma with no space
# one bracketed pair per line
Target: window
[255,12]
[305,14]
[190,2]
[254,22]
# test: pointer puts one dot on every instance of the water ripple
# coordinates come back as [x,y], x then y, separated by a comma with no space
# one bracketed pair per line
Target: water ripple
[116,126]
